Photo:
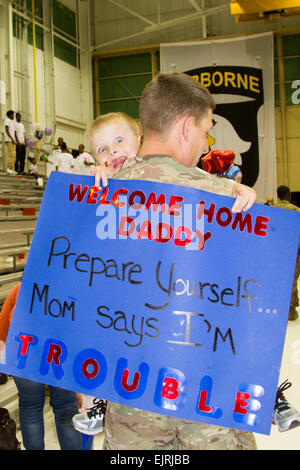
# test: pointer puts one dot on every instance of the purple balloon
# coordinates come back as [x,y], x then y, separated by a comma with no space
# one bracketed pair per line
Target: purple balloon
[47,131]
[30,143]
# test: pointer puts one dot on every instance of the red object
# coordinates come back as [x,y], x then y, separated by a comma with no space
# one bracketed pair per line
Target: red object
[22,256]
[217,161]
[7,311]
[5,202]
[29,211]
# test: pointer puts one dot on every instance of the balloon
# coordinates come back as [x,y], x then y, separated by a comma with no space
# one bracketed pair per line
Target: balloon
[47,131]
[30,143]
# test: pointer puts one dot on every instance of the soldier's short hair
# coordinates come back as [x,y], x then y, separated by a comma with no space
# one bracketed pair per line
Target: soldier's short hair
[171,96]
[106,118]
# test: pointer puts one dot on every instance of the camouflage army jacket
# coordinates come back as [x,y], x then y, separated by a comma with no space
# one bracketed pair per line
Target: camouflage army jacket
[287,205]
[165,169]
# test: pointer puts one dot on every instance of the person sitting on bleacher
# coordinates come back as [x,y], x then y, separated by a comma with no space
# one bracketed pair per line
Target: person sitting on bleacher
[32,398]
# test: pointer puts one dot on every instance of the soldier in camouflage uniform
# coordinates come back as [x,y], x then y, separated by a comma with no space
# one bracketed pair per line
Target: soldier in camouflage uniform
[176,114]
[284,202]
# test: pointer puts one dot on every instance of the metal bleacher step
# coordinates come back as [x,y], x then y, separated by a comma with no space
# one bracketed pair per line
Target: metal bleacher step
[10,278]
[17,218]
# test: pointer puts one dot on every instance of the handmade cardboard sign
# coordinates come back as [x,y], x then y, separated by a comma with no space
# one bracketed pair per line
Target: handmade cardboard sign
[156,296]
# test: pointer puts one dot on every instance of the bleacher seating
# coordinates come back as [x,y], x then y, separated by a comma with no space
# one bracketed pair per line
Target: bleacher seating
[20,199]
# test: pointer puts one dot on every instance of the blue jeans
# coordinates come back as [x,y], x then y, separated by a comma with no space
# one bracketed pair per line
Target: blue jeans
[31,411]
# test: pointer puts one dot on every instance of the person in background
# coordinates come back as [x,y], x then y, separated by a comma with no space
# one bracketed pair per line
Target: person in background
[64,160]
[50,165]
[60,141]
[32,398]
[284,202]
[85,160]
[33,169]
[20,144]
[10,143]
[76,162]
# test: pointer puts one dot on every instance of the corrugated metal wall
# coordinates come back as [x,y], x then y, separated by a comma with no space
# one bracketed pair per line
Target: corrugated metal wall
[112,23]
[116,30]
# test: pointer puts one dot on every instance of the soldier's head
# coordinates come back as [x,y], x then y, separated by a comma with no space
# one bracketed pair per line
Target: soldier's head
[177,103]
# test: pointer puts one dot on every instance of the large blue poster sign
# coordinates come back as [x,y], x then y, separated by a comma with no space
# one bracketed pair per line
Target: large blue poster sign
[156,296]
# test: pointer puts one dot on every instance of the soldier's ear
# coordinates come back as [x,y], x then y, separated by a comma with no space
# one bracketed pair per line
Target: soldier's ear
[187,123]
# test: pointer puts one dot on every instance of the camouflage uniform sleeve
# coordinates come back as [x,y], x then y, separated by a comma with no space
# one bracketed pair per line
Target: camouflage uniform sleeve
[165,169]
[287,205]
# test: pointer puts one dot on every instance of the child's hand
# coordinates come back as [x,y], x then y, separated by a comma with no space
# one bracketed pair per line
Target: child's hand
[101,173]
[245,197]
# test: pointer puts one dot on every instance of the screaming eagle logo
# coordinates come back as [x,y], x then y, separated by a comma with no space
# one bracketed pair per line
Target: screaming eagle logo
[238,92]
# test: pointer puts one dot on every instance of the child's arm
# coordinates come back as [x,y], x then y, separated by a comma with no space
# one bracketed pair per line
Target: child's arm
[244,197]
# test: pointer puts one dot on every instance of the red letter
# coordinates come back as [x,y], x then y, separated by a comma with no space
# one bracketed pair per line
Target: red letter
[160,227]
[126,220]
[170,389]
[261,225]
[228,213]
[240,403]
[145,230]
[202,402]
[93,194]
[54,353]
[25,342]
[102,199]
[155,202]
[86,373]
[188,236]
[209,212]
[115,199]
[202,239]
[239,220]
[135,383]
[173,204]
[142,197]
[77,193]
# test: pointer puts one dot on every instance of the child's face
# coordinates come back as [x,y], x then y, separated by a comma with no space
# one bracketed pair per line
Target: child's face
[113,143]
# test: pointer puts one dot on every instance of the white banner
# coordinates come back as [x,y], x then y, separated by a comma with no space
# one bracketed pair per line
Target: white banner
[239,73]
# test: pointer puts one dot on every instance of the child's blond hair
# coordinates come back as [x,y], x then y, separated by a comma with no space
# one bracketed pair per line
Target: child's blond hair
[106,118]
